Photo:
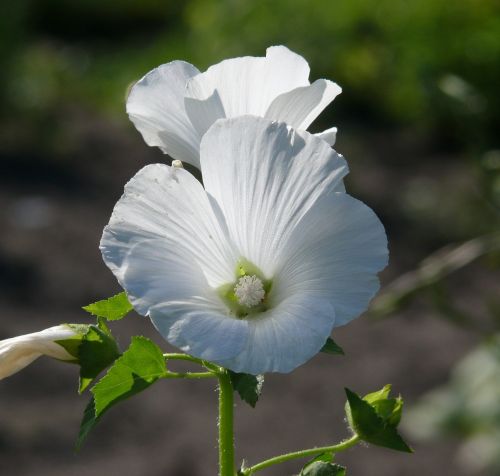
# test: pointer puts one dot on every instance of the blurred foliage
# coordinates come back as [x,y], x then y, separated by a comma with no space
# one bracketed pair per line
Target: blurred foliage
[391,56]
[466,407]
[399,61]
[430,278]
[431,65]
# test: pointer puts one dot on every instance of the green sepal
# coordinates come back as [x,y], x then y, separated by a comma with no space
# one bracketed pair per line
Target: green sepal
[93,348]
[103,325]
[371,426]
[389,409]
[381,394]
[331,347]
[139,367]
[114,308]
[98,350]
[248,386]
[72,345]
[243,469]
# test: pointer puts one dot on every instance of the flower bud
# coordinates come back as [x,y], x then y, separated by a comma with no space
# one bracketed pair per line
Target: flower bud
[59,342]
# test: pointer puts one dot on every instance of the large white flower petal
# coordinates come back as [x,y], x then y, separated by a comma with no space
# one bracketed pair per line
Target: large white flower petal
[248,85]
[156,107]
[299,107]
[335,251]
[203,113]
[286,336]
[265,177]
[330,135]
[200,329]
[171,289]
[154,272]
[163,202]
[18,352]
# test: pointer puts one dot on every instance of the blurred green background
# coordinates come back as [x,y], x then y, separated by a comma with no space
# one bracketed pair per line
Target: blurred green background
[419,124]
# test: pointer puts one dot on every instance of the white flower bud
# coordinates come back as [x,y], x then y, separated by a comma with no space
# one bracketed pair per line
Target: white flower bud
[18,352]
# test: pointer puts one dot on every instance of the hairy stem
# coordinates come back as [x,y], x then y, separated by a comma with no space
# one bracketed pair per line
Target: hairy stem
[189,375]
[190,358]
[226,438]
[302,454]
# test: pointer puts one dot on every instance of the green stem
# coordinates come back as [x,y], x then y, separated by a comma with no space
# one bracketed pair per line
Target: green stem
[226,438]
[195,360]
[302,454]
[189,375]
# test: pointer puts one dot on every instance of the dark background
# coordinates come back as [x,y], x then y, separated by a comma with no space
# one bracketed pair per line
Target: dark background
[418,123]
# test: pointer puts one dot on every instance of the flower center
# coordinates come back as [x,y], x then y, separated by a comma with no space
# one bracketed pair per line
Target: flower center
[249,291]
[248,295]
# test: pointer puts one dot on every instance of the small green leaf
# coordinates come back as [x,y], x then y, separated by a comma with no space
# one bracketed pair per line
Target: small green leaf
[322,468]
[248,386]
[370,427]
[331,347]
[327,457]
[137,369]
[97,351]
[112,309]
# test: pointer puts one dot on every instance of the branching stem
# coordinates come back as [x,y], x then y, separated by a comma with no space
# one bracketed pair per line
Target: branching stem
[301,454]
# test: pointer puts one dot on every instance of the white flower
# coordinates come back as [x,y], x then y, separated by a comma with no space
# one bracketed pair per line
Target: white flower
[18,352]
[174,104]
[253,271]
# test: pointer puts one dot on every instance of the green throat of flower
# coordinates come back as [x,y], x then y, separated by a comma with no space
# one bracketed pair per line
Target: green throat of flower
[248,294]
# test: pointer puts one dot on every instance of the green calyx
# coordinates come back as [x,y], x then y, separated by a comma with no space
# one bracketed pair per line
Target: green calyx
[228,295]
[72,344]
[375,418]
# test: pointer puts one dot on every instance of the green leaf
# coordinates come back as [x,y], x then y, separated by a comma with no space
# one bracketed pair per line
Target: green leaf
[137,369]
[331,347]
[89,420]
[327,457]
[112,309]
[248,386]
[322,468]
[97,351]
[371,427]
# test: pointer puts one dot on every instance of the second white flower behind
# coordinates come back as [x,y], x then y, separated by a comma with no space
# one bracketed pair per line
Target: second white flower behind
[174,104]
[255,270]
